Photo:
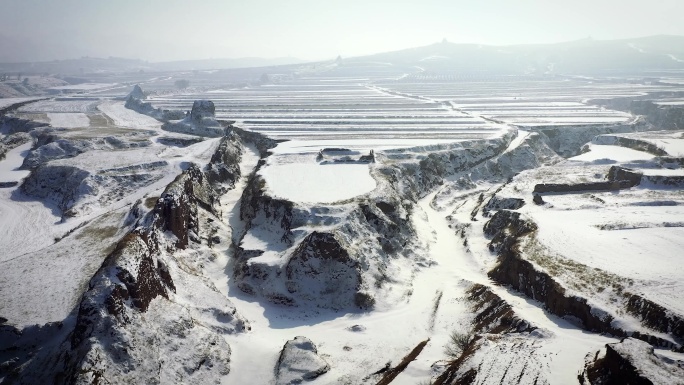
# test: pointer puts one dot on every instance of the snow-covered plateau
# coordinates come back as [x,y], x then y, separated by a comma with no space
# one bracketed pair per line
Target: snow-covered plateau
[327,225]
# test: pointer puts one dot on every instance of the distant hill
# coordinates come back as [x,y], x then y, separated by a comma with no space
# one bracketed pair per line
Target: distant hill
[581,56]
[88,65]
[586,56]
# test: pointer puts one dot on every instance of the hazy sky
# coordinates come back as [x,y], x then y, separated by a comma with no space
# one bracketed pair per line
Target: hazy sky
[159,30]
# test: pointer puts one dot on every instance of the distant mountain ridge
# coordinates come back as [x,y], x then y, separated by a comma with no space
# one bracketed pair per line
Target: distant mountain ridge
[662,52]
[86,65]
[581,56]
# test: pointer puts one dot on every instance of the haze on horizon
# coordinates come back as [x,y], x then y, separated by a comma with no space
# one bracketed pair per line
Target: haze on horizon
[165,30]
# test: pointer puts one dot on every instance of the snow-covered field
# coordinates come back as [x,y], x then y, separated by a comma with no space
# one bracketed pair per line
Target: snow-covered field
[318,183]
[68,119]
[73,105]
[6,102]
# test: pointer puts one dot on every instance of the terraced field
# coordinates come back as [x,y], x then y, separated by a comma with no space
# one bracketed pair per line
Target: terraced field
[526,101]
[412,106]
[323,109]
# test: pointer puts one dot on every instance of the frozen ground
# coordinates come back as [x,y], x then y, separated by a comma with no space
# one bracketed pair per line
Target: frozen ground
[68,119]
[318,183]
[6,102]
[57,257]
[612,154]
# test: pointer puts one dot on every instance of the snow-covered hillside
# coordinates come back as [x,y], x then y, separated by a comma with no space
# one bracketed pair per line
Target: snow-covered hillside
[325,228]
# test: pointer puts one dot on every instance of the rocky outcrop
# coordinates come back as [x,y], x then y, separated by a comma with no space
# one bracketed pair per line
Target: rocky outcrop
[148,314]
[567,141]
[12,141]
[201,121]
[136,102]
[340,266]
[493,314]
[618,178]
[655,316]
[10,125]
[676,181]
[74,190]
[631,362]
[176,209]
[321,269]
[505,228]
[298,362]
[660,116]
[497,202]
[133,278]
[413,178]
[633,143]
[223,170]
[61,185]
[262,143]
[53,148]
[494,321]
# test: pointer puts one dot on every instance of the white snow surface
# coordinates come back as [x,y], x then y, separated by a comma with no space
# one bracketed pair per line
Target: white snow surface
[124,117]
[612,154]
[27,225]
[6,102]
[318,183]
[68,119]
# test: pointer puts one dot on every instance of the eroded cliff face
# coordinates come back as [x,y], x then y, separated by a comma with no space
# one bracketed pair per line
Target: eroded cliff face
[149,314]
[661,117]
[630,361]
[567,141]
[508,230]
[223,169]
[499,334]
[335,256]
[413,177]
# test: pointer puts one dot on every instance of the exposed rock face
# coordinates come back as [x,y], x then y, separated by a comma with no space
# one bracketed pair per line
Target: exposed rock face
[618,178]
[62,185]
[223,169]
[203,110]
[262,143]
[176,209]
[13,141]
[500,203]
[631,361]
[149,315]
[321,269]
[342,266]
[51,147]
[130,283]
[11,125]
[661,117]
[74,190]
[136,102]
[201,121]
[633,143]
[201,126]
[655,316]
[493,314]
[137,93]
[298,362]
[567,141]
[498,330]
[413,179]
[505,228]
